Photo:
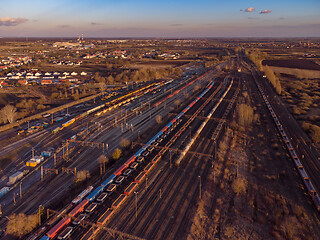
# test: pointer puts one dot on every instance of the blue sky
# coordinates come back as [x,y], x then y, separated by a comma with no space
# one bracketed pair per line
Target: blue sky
[175,18]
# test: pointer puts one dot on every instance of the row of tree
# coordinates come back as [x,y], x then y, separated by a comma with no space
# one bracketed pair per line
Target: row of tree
[256,57]
[139,75]
[273,79]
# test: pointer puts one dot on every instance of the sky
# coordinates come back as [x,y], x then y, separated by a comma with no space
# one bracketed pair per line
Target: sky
[163,19]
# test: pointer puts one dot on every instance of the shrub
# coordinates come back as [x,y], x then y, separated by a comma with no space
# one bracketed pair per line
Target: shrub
[239,185]
[245,115]
[117,154]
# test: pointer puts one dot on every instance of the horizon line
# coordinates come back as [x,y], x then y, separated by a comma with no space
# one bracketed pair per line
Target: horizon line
[163,38]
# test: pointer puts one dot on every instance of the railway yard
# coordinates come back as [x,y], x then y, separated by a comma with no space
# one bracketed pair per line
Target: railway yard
[189,170]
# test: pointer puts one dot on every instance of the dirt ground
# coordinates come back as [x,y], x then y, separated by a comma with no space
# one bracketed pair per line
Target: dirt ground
[254,191]
[292,63]
[298,73]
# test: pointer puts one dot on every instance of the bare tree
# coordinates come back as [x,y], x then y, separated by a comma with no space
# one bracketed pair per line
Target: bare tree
[21,224]
[125,143]
[102,87]
[9,113]
[159,119]
[177,102]
[103,160]
[82,175]
[110,79]
[203,227]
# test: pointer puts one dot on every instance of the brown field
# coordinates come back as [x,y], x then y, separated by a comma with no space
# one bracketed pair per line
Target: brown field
[157,64]
[299,73]
[293,63]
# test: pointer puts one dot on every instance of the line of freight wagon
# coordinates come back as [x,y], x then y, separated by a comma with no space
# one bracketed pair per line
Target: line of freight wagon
[117,174]
[180,89]
[305,178]
[95,109]
[191,142]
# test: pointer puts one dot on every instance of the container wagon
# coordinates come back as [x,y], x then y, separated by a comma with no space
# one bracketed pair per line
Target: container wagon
[130,188]
[60,225]
[118,201]
[82,195]
[4,191]
[15,177]
[104,218]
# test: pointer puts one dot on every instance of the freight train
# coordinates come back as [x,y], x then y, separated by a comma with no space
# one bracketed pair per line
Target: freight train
[108,185]
[303,174]
[110,105]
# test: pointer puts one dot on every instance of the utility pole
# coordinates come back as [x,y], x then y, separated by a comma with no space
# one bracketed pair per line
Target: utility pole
[54,159]
[160,193]
[20,190]
[87,128]
[63,156]
[39,214]
[215,150]
[200,187]
[41,173]
[170,158]
[136,204]
[67,146]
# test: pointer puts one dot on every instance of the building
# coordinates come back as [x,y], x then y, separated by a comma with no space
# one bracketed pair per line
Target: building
[23,82]
[46,81]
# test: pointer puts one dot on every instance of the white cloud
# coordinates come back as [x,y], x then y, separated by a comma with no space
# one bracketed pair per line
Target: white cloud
[250,9]
[7,21]
[265,11]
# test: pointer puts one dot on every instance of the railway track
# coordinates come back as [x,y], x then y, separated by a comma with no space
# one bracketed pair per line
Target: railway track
[179,190]
[153,112]
[107,123]
[308,156]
